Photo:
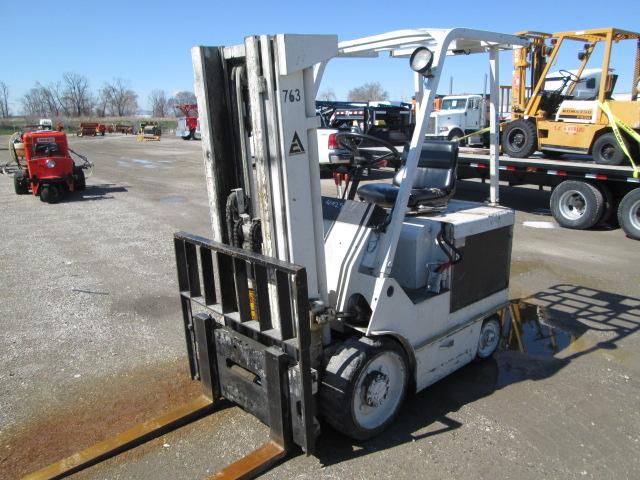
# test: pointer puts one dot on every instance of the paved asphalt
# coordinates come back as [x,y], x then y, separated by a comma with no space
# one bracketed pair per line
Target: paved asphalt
[91,343]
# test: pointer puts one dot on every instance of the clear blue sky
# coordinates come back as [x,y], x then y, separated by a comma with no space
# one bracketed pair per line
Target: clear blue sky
[147,43]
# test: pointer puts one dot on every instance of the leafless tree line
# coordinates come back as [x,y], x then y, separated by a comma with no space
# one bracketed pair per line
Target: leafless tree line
[164,106]
[72,97]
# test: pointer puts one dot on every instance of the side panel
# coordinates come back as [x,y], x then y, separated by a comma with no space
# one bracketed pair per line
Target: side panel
[445,355]
[568,136]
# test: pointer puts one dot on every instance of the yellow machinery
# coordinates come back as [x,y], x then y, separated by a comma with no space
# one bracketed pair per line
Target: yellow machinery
[556,120]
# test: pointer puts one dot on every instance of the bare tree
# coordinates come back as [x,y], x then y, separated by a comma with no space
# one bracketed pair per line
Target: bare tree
[181,97]
[44,101]
[327,95]
[76,95]
[4,100]
[118,99]
[368,92]
[159,103]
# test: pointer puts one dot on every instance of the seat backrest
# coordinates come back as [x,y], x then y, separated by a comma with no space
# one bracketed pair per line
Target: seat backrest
[436,167]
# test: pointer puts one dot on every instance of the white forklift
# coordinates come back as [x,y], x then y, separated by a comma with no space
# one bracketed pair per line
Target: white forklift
[304,308]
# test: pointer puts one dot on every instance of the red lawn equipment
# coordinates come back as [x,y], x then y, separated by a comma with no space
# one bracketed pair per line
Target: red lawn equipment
[188,125]
[47,168]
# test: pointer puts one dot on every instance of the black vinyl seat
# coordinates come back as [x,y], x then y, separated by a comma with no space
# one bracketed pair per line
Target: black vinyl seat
[434,182]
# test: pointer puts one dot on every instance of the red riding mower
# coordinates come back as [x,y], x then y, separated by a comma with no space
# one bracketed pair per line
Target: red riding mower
[45,165]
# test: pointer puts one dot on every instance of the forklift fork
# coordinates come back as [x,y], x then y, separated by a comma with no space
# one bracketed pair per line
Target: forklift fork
[265,370]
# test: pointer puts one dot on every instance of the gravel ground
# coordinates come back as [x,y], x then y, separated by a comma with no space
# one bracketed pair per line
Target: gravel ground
[91,342]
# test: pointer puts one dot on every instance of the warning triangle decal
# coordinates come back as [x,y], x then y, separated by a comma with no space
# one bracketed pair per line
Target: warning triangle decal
[296,145]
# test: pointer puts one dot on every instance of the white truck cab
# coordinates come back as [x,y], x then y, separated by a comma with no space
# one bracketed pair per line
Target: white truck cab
[459,115]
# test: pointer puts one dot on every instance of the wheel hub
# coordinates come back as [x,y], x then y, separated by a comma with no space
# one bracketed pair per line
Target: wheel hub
[517,139]
[376,388]
[572,204]
[488,337]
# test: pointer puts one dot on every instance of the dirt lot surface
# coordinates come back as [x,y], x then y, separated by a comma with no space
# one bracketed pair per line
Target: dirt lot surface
[91,343]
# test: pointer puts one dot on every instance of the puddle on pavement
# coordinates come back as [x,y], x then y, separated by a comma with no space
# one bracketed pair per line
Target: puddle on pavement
[173,199]
[144,163]
[530,330]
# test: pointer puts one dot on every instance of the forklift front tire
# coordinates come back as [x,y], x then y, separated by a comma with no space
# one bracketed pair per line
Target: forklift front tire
[489,338]
[519,138]
[364,385]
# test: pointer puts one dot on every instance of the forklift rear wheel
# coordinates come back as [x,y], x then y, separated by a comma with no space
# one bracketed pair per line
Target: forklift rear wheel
[364,385]
[519,138]
[19,183]
[489,338]
[576,204]
[50,194]
[629,214]
[607,151]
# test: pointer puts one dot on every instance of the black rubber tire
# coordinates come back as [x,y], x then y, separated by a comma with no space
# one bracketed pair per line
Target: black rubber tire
[455,134]
[552,154]
[629,214]
[80,181]
[607,151]
[519,138]
[20,183]
[50,194]
[493,320]
[609,208]
[343,366]
[588,195]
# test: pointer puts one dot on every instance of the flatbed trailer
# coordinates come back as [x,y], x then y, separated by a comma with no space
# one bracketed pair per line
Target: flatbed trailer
[584,194]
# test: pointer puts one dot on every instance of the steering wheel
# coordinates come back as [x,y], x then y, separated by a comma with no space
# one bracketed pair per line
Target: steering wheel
[567,77]
[352,141]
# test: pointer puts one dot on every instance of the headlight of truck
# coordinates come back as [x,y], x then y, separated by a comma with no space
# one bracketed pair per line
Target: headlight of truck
[51,163]
[443,129]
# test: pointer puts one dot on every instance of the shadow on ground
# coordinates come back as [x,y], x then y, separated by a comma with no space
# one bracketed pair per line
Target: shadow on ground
[553,321]
[102,191]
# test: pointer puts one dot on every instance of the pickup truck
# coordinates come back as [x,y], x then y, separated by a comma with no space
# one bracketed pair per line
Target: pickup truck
[391,122]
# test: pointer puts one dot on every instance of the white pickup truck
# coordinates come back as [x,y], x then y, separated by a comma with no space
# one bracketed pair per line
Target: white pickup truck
[392,122]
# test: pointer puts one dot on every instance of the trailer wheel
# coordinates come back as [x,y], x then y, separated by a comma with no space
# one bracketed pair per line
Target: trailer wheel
[609,204]
[629,214]
[489,338]
[20,183]
[519,138]
[50,194]
[607,151]
[363,386]
[576,204]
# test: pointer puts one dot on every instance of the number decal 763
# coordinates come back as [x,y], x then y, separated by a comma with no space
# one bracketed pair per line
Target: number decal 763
[292,95]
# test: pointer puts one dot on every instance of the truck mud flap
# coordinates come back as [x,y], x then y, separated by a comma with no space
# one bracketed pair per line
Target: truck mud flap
[230,300]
